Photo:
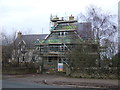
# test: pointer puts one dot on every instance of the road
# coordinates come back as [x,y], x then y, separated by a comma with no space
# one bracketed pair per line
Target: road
[53,81]
[15,84]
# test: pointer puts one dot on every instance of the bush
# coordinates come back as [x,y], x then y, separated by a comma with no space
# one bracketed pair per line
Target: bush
[18,70]
[93,73]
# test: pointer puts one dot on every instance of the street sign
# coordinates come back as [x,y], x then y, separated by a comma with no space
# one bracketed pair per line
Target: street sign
[60,66]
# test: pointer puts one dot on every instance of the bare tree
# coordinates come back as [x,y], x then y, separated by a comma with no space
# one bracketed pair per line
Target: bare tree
[103,26]
[83,55]
[7,46]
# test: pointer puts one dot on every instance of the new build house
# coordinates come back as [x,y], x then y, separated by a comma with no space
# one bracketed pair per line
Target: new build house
[65,34]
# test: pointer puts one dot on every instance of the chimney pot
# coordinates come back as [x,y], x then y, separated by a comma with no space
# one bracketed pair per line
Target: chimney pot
[19,34]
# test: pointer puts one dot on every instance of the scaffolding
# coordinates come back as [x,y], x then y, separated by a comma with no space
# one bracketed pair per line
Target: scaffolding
[62,38]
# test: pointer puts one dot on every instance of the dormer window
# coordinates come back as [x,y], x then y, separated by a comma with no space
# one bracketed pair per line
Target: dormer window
[63,33]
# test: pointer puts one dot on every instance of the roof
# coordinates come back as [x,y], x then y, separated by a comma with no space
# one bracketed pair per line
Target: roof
[30,39]
[55,38]
[82,32]
[70,21]
[85,30]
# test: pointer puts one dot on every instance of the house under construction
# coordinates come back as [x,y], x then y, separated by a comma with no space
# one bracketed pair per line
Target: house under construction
[65,33]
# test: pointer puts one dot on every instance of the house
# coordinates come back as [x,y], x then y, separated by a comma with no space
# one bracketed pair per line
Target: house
[24,47]
[64,36]
[50,49]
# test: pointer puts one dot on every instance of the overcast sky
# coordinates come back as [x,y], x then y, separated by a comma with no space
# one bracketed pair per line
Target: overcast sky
[33,16]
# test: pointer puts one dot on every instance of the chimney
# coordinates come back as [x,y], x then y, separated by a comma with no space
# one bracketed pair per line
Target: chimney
[19,35]
[71,17]
[56,18]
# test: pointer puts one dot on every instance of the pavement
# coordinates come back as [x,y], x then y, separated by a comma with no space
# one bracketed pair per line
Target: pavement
[63,81]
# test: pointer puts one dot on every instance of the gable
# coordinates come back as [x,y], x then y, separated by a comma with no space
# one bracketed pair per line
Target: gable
[21,43]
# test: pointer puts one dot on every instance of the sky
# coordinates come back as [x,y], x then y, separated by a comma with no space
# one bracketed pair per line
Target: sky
[33,16]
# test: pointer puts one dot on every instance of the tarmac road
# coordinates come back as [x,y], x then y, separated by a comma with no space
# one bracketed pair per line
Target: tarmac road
[53,81]
[15,84]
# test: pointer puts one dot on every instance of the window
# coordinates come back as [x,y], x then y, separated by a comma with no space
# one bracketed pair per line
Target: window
[50,48]
[37,48]
[36,58]
[64,60]
[30,53]
[18,52]
[49,60]
[41,49]
[23,58]
[65,33]
[55,48]
[61,34]
[18,59]
[62,48]
[60,60]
